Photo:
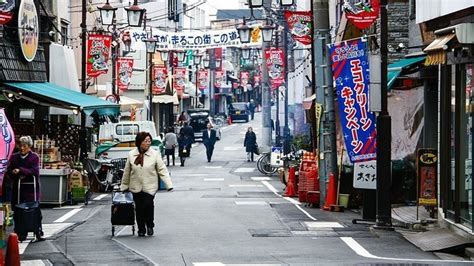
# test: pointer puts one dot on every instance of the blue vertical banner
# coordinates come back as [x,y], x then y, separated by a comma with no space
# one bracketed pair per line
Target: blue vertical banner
[350,67]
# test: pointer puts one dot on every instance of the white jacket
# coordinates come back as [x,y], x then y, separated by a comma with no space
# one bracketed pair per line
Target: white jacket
[137,178]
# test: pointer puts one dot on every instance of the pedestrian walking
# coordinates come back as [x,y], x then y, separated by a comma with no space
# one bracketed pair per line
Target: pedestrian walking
[24,166]
[143,170]
[183,118]
[250,143]
[209,140]
[184,147]
[171,141]
[252,109]
[188,131]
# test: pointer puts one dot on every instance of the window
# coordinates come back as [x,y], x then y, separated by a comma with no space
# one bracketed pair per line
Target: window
[64,32]
[127,129]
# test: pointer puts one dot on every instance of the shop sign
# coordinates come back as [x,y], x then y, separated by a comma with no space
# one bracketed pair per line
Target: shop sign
[365,175]
[218,79]
[98,52]
[275,60]
[300,24]
[202,79]
[160,74]
[244,79]
[124,70]
[6,11]
[28,29]
[426,161]
[362,13]
[179,80]
[352,78]
[7,145]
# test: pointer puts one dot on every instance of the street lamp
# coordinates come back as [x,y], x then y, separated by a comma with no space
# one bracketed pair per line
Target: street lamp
[267,32]
[286,2]
[181,55]
[206,61]
[197,59]
[150,44]
[255,3]
[107,13]
[218,62]
[165,54]
[135,14]
[244,33]
[246,53]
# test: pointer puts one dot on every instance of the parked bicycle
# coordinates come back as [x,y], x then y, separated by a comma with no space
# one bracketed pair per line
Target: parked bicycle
[108,174]
[264,164]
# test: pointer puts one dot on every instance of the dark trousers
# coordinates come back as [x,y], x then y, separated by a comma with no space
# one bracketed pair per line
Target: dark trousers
[168,159]
[144,210]
[209,151]
[252,115]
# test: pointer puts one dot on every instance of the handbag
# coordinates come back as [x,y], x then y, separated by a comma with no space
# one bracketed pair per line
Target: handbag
[257,149]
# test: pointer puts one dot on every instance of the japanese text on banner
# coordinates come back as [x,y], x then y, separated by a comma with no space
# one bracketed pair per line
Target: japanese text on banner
[160,74]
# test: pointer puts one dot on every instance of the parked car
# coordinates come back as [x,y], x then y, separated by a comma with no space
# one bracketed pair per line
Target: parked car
[239,111]
[198,121]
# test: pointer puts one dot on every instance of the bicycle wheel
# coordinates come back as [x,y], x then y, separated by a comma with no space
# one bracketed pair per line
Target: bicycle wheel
[264,166]
[260,164]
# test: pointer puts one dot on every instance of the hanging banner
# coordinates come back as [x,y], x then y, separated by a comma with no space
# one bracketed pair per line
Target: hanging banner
[275,60]
[351,75]
[244,79]
[256,79]
[124,69]
[160,73]
[179,80]
[218,79]
[300,24]
[426,165]
[362,13]
[28,29]
[6,11]
[98,51]
[202,79]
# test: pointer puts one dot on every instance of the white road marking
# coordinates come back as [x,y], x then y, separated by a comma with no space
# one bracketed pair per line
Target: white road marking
[260,178]
[251,203]
[212,167]
[361,251]
[196,174]
[275,191]
[67,215]
[101,196]
[233,148]
[323,225]
[32,263]
[123,229]
[69,207]
[213,179]
[222,264]
[244,170]
[245,185]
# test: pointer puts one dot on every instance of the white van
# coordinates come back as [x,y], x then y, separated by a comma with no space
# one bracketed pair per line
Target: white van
[125,131]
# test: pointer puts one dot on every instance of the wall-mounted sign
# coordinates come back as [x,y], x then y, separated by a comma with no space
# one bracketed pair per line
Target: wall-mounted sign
[427,160]
[98,51]
[6,11]
[28,29]
[124,70]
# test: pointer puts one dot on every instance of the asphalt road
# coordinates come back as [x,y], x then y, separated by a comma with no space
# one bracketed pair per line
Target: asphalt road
[222,213]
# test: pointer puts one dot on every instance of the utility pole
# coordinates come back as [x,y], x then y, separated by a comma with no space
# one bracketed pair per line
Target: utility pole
[286,128]
[384,134]
[277,92]
[83,135]
[324,95]
[266,94]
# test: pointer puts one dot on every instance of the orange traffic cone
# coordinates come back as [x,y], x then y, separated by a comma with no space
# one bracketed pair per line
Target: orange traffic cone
[229,120]
[13,251]
[331,193]
[290,186]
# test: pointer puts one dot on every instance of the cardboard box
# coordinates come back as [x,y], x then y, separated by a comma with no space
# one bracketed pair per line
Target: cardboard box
[75,179]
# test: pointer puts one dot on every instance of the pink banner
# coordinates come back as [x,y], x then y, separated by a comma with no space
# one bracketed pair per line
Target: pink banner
[179,80]
[160,73]
[275,60]
[300,24]
[218,79]
[98,52]
[202,79]
[361,13]
[244,78]
[124,69]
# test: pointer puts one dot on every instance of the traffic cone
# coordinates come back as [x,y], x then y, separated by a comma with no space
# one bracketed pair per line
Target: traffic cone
[290,186]
[331,193]
[229,120]
[13,251]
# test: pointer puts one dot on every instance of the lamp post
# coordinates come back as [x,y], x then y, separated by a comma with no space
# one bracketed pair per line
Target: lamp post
[197,62]
[150,49]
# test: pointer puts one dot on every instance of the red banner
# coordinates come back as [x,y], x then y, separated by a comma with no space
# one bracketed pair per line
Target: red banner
[275,60]
[179,80]
[362,14]
[98,51]
[244,78]
[257,79]
[160,74]
[124,69]
[202,79]
[300,24]
[218,79]
[6,11]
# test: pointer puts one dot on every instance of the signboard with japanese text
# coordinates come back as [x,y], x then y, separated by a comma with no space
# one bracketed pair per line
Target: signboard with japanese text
[179,80]
[6,11]
[160,73]
[98,52]
[203,81]
[300,24]
[351,76]
[218,79]
[426,165]
[365,175]
[28,29]
[124,70]
[244,79]
[275,60]
[362,13]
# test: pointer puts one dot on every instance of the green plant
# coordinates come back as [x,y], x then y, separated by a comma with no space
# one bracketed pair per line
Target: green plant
[302,142]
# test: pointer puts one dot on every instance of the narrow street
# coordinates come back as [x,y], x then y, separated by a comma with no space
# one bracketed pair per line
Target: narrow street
[220,213]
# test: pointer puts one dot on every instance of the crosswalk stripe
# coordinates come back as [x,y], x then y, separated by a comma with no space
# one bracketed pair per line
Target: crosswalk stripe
[67,215]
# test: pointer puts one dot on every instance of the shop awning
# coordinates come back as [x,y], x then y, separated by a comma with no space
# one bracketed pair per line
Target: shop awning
[309,101]
[57,96]
[437,50]
[395,69]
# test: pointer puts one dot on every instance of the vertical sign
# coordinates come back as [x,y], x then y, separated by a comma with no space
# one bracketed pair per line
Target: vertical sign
[300,24]
[351,75]
[426,162]
[218,79]
[7,145]
[98,51]
[275,60]
[179,80]
[365,175]
[202,79]
[244,79]
[160,73]
[124,69]
[28,29]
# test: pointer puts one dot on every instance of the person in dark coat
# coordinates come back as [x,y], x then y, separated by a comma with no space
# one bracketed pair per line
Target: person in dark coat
[209,140]
[252,109]
[188,131]
[24,166]
[250,143]
[184,147]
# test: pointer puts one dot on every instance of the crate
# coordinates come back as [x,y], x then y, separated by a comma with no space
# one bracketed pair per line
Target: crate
[313,197]
[307,165]
[302,195]
[78,193]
